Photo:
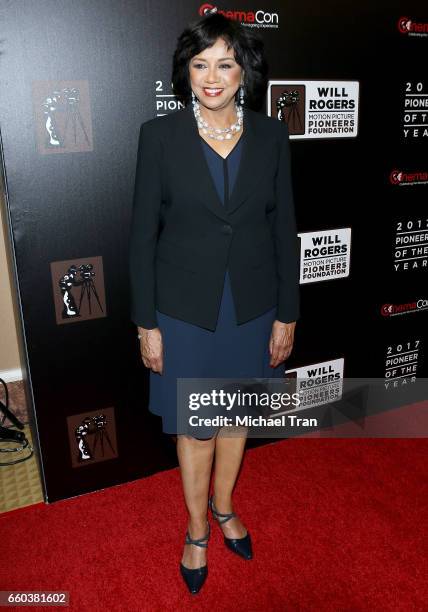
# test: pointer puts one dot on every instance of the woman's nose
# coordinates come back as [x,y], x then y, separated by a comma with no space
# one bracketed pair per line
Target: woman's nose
[212,76]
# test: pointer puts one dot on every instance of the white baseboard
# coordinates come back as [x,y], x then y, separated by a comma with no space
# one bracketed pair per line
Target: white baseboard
[11,375]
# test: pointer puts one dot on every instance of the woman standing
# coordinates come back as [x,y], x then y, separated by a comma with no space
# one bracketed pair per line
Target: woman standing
[213,257]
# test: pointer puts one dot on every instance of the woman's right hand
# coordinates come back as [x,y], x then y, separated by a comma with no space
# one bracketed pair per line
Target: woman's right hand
[151,348]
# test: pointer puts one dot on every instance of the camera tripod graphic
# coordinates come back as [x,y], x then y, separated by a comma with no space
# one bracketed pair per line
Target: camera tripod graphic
[86,282]
[65,101]
[96,427]
[289,99]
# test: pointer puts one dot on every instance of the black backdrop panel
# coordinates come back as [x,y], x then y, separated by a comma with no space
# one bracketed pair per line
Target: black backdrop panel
[77,80]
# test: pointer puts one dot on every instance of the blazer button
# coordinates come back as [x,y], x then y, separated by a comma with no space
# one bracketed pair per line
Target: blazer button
[226,229]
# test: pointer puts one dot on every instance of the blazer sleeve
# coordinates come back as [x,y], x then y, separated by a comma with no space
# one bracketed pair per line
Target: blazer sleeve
[285,238]
[144,227]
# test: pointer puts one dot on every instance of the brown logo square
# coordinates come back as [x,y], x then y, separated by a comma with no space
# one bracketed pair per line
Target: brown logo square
[62,116]
[288,105]
[78,289]
[92,436]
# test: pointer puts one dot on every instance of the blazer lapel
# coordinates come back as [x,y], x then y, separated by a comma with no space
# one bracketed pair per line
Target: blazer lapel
[250,168]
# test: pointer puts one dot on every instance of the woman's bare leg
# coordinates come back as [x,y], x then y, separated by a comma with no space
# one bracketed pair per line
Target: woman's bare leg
[228,457]
[195,458]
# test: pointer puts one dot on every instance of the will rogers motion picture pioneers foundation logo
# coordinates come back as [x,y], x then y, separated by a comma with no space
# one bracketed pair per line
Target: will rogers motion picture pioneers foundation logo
[399,177]
[251,19]
[409,27]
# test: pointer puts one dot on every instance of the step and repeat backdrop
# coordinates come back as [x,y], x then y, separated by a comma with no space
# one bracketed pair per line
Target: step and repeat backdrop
[77,80]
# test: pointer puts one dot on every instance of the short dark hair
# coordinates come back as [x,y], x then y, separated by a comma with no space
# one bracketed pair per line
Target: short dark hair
[247,45]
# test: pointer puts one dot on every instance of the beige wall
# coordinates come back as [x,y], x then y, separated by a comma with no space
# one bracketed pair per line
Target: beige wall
[9,320]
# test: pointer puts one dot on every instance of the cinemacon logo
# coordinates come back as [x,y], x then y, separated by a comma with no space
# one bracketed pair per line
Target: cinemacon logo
[399,177]
[406,25]
[389,310]
[259,17]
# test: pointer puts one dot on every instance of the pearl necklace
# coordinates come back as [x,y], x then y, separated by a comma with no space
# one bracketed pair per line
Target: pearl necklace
[219,133]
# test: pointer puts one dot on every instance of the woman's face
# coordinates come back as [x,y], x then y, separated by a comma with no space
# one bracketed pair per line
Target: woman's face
[215,76]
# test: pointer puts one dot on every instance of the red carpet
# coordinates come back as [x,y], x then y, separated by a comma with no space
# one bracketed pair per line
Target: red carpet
[336,525]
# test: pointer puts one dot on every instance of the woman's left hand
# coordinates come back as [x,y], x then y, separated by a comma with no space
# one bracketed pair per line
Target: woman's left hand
[281,342]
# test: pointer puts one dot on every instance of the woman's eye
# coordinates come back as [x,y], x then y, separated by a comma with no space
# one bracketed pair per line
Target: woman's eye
[203,66]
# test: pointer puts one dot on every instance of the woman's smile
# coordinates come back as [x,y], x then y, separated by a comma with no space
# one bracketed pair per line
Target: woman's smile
[212,91]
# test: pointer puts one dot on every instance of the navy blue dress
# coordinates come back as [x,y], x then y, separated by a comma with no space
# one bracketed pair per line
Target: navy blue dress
[231,350]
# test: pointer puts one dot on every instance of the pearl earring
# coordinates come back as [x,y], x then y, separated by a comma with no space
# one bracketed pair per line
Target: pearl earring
[193,98]
[241,95]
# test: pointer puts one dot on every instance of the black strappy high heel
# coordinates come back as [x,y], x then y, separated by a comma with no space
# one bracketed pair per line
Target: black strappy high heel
[240,546]
[195,578]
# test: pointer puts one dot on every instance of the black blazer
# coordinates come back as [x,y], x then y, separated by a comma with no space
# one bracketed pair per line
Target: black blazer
[182,238]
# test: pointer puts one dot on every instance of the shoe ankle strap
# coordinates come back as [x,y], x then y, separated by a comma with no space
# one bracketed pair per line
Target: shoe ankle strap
[226,516]
[199,541]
